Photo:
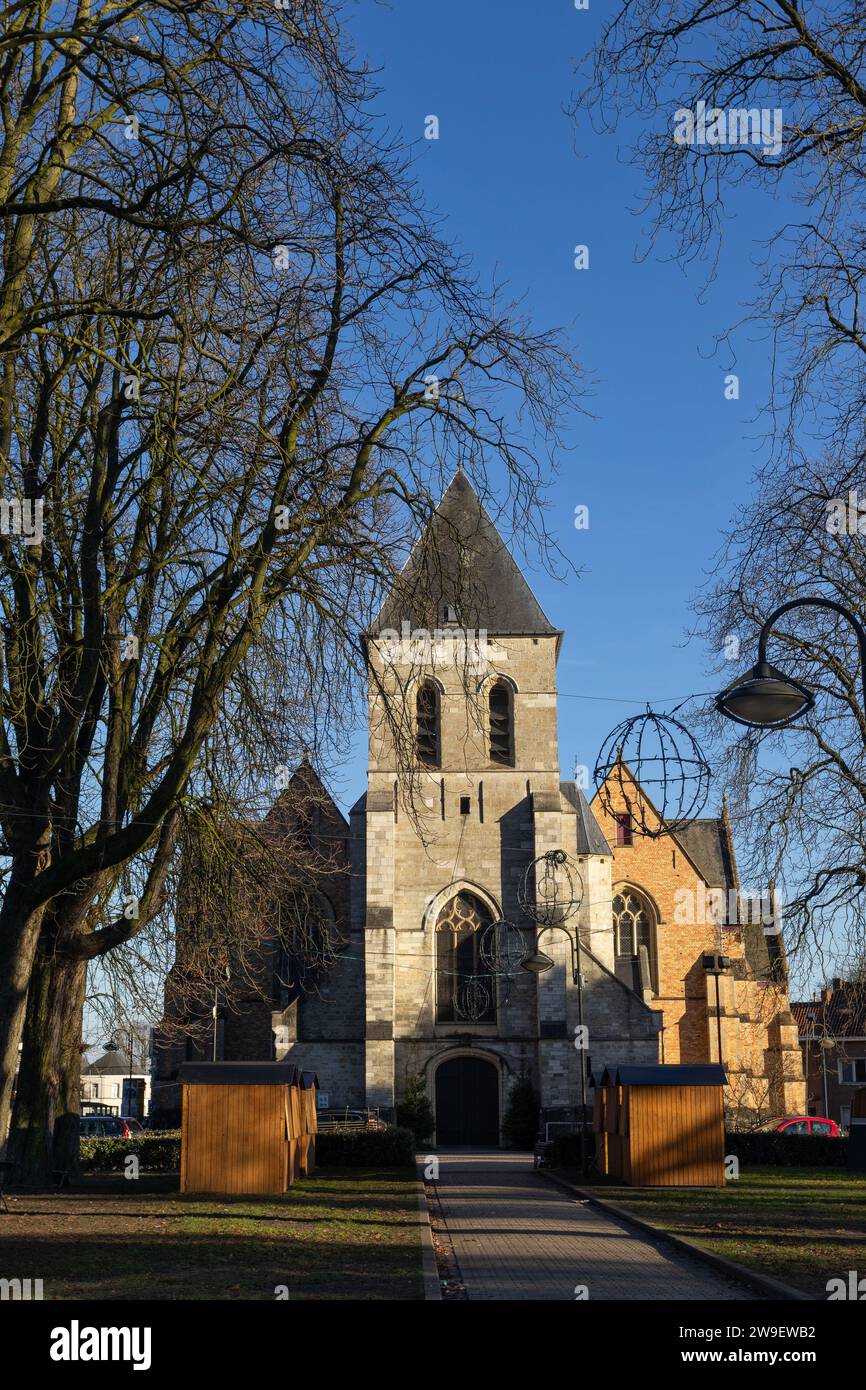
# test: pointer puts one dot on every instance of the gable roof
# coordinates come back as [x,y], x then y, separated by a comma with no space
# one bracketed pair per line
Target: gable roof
[116,1063]
[843,1015]
[306,791]
[705,842]
[461,560]
[590,837]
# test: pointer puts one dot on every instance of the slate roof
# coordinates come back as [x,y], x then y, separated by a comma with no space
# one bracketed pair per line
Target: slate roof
[590,839]
[116,1063]
[306,789]
[843,1015]
[461,560]
[706,845]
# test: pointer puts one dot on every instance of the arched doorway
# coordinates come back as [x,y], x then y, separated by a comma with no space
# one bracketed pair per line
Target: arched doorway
[467,1103]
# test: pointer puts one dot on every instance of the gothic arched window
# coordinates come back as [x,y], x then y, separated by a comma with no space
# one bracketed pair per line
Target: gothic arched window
[427,725]
[633,927]
[501,707]
[305,944]
[465,989]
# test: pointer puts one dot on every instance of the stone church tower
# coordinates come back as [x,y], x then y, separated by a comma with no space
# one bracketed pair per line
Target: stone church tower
[463,667]
[464,793]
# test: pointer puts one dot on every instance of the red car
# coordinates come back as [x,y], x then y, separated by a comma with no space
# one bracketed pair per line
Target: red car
[804,1124]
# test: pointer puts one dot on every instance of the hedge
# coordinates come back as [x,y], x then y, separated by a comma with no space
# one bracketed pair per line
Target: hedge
[362,1148]
[566,1150]
[776,1150]
[157,1151]
[787,1151]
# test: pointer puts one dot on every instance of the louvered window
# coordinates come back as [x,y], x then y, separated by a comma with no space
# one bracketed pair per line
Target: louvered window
[501,724]
[427,725]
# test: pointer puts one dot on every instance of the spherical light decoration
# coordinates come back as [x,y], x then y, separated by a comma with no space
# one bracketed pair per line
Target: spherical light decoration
[502,948]
[663,757]
[474,997]
[551,889]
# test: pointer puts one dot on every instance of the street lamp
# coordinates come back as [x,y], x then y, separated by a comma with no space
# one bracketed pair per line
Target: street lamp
[767,698]
[537,964]
[715,965]
[112,1046]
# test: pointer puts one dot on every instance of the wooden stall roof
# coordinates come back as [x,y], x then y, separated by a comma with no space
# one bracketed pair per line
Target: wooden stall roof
[601,1079]
[675,1074]
[308,1080]
[238,1074]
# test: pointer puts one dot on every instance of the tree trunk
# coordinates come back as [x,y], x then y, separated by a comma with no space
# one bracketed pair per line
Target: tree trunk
[45,1131]
[19,934]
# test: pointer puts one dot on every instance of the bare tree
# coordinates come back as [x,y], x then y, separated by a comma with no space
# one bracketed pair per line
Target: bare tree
[781,92]
[802,826]
[233,379]
[770,99]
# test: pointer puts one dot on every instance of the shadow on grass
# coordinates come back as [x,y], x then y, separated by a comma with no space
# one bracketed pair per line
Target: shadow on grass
[204,1267]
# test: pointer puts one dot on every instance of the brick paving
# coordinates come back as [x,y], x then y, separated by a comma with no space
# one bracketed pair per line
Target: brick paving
[516,1236]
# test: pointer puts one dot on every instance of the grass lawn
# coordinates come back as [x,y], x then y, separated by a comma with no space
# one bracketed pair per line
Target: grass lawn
[345,1233]
[803,1225]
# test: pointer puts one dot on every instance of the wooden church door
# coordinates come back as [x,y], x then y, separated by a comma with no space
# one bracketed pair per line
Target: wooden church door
[467,1103]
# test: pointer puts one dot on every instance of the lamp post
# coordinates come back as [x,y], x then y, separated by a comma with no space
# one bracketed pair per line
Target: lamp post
[767,698]
[537,964]
[215,1013]
[111,1046]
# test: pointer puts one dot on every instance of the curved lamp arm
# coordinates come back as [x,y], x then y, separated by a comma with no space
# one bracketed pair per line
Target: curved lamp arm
[817,603]
[557,926]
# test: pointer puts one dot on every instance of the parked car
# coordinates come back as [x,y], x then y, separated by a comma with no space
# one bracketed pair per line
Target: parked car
[349,1119]
[803,1124]
[104,1127]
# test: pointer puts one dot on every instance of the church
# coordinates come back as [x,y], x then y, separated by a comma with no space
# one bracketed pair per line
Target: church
[445,968]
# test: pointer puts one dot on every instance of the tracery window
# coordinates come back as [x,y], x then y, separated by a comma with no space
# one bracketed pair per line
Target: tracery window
[633,927]
[465,988]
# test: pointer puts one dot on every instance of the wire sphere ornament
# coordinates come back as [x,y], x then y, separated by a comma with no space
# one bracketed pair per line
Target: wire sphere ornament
[664,759]
[473,997]
[476,997]
[502,948]
[551,889]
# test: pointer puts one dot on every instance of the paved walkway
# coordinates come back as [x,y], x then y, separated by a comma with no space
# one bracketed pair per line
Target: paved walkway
[517,1236]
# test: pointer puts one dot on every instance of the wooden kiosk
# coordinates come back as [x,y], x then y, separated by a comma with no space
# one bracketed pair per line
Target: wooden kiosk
[308,1092]
[245,1126]
[661,1126]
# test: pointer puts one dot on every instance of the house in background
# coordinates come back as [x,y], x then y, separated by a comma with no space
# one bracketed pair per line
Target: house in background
[113,1084]
[832,1029]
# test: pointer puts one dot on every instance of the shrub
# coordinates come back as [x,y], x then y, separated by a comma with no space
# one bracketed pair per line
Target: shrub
[157,1152]
[520,1124]
[787,1151]
[415,1111]
[363,1148]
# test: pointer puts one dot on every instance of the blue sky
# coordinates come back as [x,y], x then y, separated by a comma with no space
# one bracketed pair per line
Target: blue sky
[667,458]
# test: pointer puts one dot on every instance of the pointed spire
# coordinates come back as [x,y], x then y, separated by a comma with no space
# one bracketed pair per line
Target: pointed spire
[461,561]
